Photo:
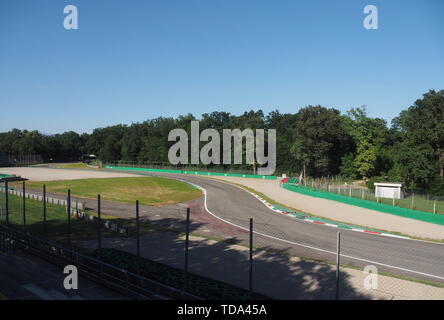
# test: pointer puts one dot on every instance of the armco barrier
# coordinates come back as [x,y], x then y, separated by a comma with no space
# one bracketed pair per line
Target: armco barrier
[403,212]
[201,173]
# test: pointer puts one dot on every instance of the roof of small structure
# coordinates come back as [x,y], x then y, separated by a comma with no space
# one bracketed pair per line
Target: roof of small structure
[388,184]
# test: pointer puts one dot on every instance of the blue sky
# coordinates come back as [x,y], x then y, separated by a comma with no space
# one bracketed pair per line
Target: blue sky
[134,60]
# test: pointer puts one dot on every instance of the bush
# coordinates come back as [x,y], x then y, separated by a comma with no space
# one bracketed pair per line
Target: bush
[372,180]
[348,166]
[395,174]
[437,187]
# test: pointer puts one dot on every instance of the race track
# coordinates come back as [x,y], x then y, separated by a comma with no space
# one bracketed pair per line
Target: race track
[231,205]
[412,258]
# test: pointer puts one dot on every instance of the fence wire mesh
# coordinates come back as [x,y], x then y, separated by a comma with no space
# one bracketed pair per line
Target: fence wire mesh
[287,262]
[411,199]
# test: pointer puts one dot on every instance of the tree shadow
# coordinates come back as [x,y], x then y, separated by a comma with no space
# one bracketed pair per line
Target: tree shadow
[276,272]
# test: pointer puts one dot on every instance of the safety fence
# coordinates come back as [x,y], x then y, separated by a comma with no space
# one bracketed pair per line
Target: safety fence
[232,168]
[76,207]
[232,256]
[20,160]
[411,199]
[201,173]
[131,284]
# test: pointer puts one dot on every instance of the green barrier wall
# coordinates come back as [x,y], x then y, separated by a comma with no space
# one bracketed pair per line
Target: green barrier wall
[403,212]
[201,173]
[144,169]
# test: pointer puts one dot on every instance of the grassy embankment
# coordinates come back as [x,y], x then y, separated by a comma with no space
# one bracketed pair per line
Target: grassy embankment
[148,190]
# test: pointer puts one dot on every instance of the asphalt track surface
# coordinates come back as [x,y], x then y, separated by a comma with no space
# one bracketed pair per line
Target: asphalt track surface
[411,258]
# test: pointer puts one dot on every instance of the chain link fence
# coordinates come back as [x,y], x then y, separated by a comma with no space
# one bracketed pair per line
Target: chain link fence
[240,169]
[234,257]
[20,160]
[412,199]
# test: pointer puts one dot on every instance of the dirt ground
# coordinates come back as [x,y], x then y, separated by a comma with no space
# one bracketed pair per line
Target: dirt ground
[340,211]
[49,174]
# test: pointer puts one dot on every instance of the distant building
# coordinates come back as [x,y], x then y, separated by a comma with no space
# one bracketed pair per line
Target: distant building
[388,190]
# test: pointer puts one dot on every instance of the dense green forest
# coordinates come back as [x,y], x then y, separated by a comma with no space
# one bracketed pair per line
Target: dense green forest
[324,141]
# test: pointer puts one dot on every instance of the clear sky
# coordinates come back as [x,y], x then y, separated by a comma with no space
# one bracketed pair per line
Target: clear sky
[134,60]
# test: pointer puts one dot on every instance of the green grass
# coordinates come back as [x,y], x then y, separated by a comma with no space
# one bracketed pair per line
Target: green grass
[416,202]
[148,190]
[419,203]
[57,228]
[76,165]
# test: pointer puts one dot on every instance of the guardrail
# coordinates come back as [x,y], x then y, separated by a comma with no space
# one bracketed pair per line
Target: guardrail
[77,209]
[59,202]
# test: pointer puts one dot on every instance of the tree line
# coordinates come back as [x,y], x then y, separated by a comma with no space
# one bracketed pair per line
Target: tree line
[319,140]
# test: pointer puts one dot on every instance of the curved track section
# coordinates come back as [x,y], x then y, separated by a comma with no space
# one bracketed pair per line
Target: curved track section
[412,258]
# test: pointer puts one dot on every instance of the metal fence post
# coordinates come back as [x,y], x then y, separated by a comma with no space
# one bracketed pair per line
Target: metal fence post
[187,240]
[6,202]
[99,231]
[126,283]
[251,258]
[137,229]
[24,206]
[44,210]
[338,260]
[68,209]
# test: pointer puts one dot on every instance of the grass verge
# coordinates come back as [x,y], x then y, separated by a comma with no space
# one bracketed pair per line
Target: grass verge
[57,228]
[76,165]
[148,190]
